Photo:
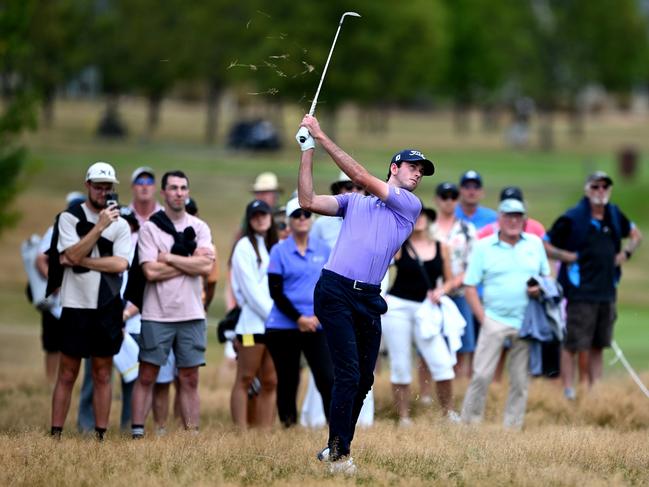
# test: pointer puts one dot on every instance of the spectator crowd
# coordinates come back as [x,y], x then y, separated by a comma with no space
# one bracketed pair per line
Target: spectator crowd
[469,289]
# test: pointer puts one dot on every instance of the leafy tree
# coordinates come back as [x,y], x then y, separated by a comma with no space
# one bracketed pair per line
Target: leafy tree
[153,33]
[17,111]
[54,30]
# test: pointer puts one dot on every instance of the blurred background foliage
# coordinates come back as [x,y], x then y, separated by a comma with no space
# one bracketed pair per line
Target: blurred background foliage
[416,55]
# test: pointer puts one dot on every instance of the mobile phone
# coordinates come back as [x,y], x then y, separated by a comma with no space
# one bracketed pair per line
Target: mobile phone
[112,200]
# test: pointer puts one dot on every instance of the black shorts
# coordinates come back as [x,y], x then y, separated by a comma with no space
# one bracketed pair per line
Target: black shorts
[92,332]
[589,325]
[50,332]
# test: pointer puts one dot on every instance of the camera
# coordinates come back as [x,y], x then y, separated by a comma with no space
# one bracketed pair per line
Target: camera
[112,200]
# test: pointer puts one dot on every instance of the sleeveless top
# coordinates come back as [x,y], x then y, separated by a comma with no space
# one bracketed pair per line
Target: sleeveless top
[410,283]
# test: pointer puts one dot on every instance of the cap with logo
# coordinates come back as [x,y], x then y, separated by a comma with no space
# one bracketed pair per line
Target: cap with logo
[511,206]
[257,206]
[101,172]
[142,170]
[599,176]
[447,188]
[266,181]
[511,192]
[411,155]
[471,176]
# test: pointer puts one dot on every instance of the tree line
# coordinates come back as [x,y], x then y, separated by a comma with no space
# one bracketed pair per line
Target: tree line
[418,53]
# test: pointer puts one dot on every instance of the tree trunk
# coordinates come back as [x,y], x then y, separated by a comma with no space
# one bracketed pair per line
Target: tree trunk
[461,117]
[49,94]
[490,118]
[214,93]
[153,116]
[577,120]
[546,131]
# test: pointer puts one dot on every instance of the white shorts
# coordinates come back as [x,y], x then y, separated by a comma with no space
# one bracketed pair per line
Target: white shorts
[399,333]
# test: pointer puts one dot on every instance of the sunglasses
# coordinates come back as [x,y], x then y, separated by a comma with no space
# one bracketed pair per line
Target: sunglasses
[301,213]
[448,196]
[144,181]
[596,187]
[281,226]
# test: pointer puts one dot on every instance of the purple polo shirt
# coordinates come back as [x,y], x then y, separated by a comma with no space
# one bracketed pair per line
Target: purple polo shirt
[372,232]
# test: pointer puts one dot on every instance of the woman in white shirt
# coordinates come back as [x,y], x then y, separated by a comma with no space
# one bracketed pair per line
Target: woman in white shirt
[250,286]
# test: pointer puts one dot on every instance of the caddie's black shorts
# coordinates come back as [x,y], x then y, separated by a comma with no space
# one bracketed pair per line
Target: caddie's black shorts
[589,325]
[92,332]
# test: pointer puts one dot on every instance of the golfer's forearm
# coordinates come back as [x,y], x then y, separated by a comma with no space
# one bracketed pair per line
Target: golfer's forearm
[344,161]
[305,192]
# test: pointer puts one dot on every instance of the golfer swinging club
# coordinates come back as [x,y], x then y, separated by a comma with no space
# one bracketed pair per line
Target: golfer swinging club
[346,298]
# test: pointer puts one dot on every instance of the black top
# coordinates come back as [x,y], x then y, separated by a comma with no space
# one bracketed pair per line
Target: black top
[593,279]
[410,282]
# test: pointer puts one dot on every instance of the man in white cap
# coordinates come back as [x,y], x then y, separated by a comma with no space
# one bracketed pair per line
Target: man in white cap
[92,245]
[144,202]
[506,294]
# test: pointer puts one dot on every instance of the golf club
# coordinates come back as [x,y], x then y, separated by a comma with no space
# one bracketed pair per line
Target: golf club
[303,133]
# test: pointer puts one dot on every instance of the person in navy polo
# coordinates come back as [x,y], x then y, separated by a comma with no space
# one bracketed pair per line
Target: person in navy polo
[347,298]
[292,327]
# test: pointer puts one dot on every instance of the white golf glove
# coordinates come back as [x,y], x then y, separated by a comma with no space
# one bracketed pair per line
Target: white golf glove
[304,139]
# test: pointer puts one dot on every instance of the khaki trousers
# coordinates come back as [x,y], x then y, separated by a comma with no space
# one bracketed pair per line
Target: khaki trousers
[490,343]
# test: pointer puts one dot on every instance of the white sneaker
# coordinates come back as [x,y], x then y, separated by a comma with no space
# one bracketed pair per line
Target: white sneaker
[344,466]
[323,455]
[405,422]
[570,394]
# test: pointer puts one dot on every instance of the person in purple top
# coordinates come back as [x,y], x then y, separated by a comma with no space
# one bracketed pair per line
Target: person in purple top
[347,299]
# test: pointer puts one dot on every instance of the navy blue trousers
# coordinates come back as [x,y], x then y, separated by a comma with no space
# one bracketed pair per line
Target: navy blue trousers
[350,313]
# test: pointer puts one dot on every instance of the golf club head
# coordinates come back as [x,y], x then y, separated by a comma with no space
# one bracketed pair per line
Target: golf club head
[351,14]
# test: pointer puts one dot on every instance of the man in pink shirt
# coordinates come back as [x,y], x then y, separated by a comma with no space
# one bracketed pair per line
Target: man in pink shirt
[532,226]
[175,251]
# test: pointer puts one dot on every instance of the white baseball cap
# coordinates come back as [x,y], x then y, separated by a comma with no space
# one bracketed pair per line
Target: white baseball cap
[101,172]
[291,206]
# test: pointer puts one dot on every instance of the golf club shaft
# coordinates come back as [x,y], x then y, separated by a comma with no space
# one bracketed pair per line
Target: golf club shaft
[324,71]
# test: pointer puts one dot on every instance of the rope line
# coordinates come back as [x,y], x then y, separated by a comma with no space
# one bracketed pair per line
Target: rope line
[620,356]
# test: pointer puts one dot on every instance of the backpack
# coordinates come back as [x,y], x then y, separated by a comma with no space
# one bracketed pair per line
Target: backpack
[184,244]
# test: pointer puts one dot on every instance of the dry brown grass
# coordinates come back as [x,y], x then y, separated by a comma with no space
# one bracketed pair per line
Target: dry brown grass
[599,440]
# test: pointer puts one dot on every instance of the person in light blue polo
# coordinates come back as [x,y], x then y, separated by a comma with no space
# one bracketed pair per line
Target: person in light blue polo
[471,193]
[503,264]
[292,327]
